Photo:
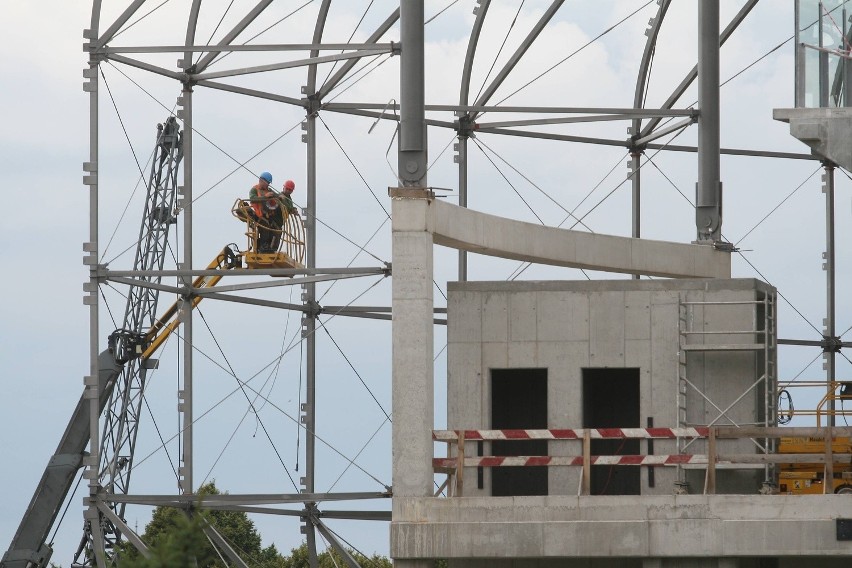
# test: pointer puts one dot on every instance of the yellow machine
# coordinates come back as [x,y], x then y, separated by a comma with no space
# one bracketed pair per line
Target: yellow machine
[809,478]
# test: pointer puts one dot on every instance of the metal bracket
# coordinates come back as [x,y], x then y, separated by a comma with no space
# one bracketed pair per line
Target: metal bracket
[312,309]
[66,460]
[312,104]
[465,126]
[725,246]
[831,344]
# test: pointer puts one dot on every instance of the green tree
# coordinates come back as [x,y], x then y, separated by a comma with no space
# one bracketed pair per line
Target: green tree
[299,559]
[176,546]
[176,540]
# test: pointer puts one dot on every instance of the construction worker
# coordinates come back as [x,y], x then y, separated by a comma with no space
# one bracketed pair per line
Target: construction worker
[289,186]
[275,209]
[267,213]
[258,193]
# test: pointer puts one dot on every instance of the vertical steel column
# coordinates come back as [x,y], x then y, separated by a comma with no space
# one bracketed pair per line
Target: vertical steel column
[823,64]
[309,331]
[412,115]
[636,193]
[635,180]
[308,297]
[829,353]
[846,92]
[465,119]
[309,317]
[92,388]
[461,156]
[185,203]
[708,200]
[799,62]
[92,383]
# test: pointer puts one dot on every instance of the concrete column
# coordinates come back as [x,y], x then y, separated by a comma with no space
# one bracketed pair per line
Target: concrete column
[413,348]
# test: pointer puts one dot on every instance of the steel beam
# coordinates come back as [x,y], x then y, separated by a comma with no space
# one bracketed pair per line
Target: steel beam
[519,53]
[413,160]
[205,61]
[829,332]
[708,197]
[185,395]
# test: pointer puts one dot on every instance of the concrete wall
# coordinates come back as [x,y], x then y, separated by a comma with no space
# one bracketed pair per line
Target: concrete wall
[568,326]
[662,530]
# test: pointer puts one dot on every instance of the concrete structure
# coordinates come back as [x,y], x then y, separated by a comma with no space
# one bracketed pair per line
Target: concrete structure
[473,231]
[658,330]
[659,531]
[825,130]
[608,343]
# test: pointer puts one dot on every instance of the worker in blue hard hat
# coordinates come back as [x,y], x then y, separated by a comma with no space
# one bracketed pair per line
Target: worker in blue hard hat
[260,198]
[258,193]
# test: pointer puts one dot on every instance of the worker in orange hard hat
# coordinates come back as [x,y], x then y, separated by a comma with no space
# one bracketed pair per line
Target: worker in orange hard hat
[277,206]
[289,187]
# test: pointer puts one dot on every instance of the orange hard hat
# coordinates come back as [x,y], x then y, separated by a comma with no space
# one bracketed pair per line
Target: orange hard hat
[289,184]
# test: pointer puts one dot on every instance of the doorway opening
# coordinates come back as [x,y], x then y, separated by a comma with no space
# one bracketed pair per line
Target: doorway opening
[519,401]
[611,400]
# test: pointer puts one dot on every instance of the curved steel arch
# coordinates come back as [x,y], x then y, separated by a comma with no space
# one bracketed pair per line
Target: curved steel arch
[473,42]
[638,102]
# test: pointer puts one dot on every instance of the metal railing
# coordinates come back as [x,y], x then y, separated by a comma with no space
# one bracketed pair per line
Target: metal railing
[457,460]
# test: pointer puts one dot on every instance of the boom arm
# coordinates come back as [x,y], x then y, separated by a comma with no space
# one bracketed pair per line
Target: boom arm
[29,546]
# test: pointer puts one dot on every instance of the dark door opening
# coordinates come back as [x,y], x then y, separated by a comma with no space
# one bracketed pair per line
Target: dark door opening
[611,400]
[519,401]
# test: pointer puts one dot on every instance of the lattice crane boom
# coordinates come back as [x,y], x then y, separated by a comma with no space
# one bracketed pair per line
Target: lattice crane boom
[123,372]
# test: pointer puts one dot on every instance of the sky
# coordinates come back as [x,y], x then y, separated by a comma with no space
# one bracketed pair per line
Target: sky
[44,326]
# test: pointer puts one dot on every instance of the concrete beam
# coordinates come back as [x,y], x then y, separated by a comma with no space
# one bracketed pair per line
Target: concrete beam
[473,231]
[621,526]
[828,131]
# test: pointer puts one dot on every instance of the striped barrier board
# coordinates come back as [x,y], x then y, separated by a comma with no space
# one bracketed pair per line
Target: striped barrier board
[515,461]
[572,434]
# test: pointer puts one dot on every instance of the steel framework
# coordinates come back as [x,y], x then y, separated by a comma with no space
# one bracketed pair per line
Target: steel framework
[200,68]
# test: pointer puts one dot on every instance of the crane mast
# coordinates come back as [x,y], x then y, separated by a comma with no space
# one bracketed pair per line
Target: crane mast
[123,374]
[124,366]
[121,414]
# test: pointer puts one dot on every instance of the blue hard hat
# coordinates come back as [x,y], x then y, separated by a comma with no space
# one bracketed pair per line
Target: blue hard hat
[267,176]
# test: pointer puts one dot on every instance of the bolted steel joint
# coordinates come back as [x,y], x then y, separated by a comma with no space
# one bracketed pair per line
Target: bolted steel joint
[831,344]
[465,126]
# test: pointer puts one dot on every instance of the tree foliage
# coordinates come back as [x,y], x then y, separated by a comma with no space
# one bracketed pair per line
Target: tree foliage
[176,540]
[332,559]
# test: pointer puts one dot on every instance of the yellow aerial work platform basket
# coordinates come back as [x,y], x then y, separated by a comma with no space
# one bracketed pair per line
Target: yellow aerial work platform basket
[270,245]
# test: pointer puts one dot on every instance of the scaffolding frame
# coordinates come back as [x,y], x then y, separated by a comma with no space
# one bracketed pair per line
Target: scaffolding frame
[760,339]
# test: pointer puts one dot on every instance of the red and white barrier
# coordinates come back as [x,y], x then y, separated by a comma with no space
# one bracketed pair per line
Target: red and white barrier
[515,461]
[572,434]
